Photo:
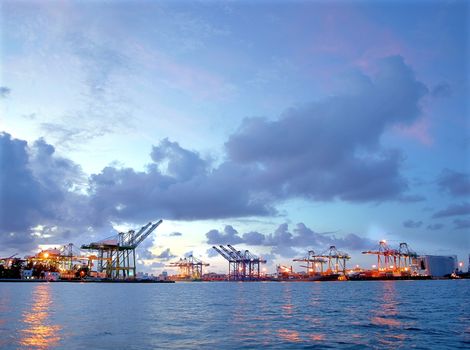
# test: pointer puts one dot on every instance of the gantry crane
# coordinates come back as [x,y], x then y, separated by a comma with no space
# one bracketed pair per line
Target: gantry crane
[116,254]
[242,265]
[406,256]
[232,262]
[314,263]
[393,260]
[190,267]
[335,260]
[386,257]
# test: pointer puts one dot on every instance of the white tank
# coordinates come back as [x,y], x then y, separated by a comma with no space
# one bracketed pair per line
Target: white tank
[436,265]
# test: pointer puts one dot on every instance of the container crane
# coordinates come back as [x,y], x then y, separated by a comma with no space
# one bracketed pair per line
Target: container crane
[190,267]
[242,265]
[116,254]
[313,263]
[335,259]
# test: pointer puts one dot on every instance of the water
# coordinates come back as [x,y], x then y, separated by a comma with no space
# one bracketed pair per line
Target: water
[219,315]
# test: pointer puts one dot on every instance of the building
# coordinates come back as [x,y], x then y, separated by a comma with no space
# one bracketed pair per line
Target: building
[435,265]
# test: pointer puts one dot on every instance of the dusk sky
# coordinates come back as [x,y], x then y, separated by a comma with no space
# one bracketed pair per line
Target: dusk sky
[275,126]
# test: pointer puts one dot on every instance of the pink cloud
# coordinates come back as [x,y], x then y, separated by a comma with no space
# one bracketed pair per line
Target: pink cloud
[195,81]
[419,131]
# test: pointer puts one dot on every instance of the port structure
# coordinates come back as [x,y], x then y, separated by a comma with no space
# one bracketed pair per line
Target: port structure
[393,260]
[115,255]
[314,263]
[335,260]
[66,260]
[190,268]
[71,259]
[242,266]
[63,258]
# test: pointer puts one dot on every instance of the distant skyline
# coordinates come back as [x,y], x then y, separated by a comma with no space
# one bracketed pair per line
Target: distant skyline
[275,126]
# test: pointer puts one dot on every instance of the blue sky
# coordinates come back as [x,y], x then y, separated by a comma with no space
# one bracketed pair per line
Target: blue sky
[346,121]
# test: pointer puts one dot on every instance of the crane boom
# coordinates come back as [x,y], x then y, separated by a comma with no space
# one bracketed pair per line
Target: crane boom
[140,237]
[224,255]
[229,253]
[236,252]
[141,231]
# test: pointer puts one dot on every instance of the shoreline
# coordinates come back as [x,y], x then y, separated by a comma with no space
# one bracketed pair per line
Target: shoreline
[189,281]
[13,280]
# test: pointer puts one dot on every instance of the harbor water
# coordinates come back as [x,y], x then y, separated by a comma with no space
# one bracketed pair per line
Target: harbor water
[223,315]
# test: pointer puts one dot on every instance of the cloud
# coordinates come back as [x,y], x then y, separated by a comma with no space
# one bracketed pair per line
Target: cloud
[165,255]
[441,90]
[4,91]
[323,151]
[176,234]
[412,224]
[69,136]
[286,243]
[181,163]
[327,150]
[144,252]
[454,183]
[453,210]
[41,191]
[156,265]
[211,253]
[228,236]
[37,185]
[461,224]
[179,184]
[435,227]
[21,193]
[41,188]
[253,238]
[331,148]
[105,106]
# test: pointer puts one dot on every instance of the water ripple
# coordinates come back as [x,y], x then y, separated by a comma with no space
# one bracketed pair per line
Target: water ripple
[349,315]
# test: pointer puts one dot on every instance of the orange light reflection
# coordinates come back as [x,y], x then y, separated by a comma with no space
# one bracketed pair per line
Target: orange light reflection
[39,334]
[317,337]
[289,335]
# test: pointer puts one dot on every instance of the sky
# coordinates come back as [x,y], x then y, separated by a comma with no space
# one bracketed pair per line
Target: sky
[278,127]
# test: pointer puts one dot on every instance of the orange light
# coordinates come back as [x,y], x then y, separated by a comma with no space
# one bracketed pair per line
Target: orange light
[46,255]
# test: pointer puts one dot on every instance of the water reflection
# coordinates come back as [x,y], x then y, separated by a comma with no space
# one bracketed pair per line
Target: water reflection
[38,332]
[289,335]
[314,319]
[388,316]
[287,307]
[5,306]
[317,337]
[287,311]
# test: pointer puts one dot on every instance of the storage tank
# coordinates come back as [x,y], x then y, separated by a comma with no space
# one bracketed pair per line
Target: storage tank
[436,265]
